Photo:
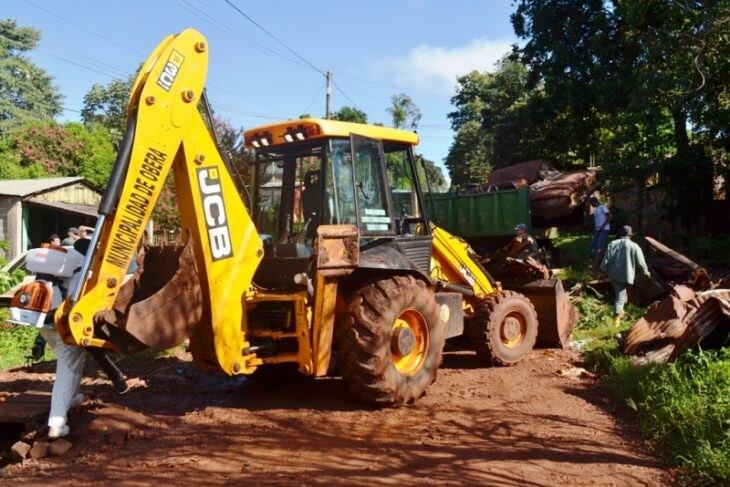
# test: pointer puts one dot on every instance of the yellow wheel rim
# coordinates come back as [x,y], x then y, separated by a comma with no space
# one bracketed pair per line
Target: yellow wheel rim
[513,329]
[409,341]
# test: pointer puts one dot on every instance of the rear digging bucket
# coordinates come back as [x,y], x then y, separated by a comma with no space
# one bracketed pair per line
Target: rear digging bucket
[161,305]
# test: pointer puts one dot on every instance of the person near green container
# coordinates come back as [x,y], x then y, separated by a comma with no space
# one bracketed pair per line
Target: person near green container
[601,227]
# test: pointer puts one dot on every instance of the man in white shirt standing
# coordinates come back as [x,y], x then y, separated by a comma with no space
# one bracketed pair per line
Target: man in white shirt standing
[602,227]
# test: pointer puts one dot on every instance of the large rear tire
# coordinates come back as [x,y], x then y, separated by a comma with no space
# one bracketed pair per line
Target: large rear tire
[504,328]
[392,341]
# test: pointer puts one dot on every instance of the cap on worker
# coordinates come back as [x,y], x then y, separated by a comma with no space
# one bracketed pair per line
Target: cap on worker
[626,231]
[521,226]
[73,230]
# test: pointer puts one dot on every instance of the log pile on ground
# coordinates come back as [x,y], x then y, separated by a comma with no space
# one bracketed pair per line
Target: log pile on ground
[694,313]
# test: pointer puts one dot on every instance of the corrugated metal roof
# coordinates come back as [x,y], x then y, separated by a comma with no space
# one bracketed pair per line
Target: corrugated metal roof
[26,187]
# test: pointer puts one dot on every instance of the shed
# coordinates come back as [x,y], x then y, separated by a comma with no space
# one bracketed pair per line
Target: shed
[33,209]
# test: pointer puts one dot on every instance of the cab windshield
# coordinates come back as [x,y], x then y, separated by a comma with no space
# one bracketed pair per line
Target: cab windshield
[338,181]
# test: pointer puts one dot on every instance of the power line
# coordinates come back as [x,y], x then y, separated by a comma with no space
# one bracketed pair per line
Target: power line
[83,28]
[217,23]
[122,74]
[345,95]
[103,65]
[434,137]
[82,66]
[310,64]
[250,100]
[367,95]
[286,46]
[316,94]
[412,90]
[56,46]
[236,109]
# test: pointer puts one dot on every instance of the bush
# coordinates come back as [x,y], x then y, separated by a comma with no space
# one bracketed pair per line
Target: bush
[710,251]
[15,344]
[575,257]
[683,408]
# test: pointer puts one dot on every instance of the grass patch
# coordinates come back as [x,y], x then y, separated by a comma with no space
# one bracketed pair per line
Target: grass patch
[683,408]
[15,345]
[575,257]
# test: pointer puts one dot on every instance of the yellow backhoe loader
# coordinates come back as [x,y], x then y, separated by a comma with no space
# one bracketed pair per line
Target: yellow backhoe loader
[333,252]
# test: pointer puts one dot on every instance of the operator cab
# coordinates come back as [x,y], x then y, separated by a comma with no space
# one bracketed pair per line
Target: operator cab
[312,172]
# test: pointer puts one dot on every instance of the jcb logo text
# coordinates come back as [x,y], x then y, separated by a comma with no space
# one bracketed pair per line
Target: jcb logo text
[214,209]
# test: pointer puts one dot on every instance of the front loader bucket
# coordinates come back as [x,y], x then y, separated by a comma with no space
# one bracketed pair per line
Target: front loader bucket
[556,315]
[161,305]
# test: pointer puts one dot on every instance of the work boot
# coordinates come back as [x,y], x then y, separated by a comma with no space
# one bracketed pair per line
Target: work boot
[58,431]
[617,319]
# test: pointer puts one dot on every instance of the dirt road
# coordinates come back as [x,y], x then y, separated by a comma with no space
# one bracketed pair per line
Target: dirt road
[524,425]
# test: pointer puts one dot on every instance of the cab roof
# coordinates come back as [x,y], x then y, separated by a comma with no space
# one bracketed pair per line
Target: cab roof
[275,134]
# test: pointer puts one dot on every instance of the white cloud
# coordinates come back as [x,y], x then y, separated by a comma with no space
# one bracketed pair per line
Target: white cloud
[435,68]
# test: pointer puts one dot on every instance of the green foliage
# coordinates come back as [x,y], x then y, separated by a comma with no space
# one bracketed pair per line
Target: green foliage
[683,408]
[26,90]
[404,111]
[436,178]
[107,106]
[575,257]
[494,120]
[96,154]
[15,344]
[711,251]
[623,82]
[42,149]
[8,279]
[468,156]
[350,114]
[231,140]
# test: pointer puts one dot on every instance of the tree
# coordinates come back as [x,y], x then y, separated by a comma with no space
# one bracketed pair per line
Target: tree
[468,156]
[404,112]
[42,149]
[495,123]
[26,90]
[643,84]
[166,214]
[107,106]
[95,156]
[232,143]
[436,179]
[350,114]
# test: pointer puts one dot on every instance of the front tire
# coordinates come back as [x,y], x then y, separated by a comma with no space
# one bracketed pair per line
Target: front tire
[504,328]
[392,341]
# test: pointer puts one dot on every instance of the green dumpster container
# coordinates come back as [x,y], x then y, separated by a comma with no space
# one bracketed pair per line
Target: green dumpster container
[491,214]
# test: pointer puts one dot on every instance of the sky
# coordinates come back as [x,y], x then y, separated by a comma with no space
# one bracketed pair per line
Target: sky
[375,49]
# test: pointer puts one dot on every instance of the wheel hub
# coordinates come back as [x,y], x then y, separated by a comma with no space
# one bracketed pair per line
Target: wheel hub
[403,341]
[409,341]
[511,328]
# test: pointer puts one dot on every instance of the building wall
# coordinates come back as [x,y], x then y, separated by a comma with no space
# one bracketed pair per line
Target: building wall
[11,224]
[76,194]
[11,212]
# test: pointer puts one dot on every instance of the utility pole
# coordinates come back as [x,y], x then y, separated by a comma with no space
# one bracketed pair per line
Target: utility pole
[329,94]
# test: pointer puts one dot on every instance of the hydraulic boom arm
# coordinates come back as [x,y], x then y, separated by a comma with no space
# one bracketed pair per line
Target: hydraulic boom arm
[166,132]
